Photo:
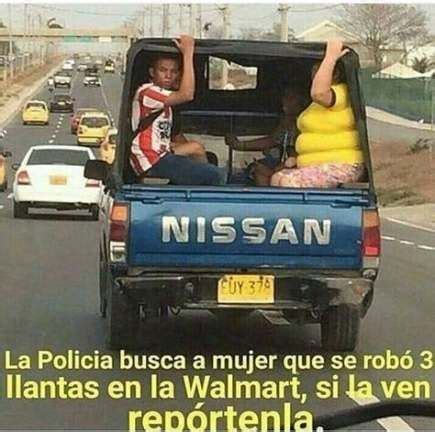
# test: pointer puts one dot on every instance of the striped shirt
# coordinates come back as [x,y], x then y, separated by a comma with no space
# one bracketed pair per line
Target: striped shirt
[151,144]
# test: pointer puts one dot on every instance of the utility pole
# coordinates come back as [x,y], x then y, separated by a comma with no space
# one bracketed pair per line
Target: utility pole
[165,19]
[198,21]
[23,59]
[226,35]
[180,18]
[283,10]
[40,40]
[151,21]
[191,21]
[11,44]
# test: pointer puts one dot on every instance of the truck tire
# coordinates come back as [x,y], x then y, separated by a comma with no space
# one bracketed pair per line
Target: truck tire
[123,321]
[4,186]
[340,327]
[20,210]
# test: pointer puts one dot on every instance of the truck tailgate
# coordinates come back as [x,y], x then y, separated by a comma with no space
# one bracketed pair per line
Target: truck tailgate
[234,228]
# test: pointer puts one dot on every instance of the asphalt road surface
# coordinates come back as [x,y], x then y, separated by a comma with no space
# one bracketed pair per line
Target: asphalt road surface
[49,291]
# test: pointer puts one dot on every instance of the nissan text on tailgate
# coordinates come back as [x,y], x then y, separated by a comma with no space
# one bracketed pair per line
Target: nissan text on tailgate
[312,254]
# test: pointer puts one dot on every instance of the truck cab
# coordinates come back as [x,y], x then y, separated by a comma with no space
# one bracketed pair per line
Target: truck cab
[312,254]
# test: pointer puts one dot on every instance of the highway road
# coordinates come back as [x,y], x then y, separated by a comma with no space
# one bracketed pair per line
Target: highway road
[49,289]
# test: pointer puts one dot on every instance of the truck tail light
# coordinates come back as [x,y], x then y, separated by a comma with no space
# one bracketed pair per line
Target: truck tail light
[371,245]
[118,231]
[23,178]
[371,234]
[92,183]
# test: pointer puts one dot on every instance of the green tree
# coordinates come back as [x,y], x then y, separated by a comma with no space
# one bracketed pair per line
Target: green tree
[421,65]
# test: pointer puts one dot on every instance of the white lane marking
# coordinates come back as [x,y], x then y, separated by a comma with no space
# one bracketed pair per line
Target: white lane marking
[51,141]
[389,423]
[411,225]
[53,136]
[388,238]
[406,242]
[10,196]
[2,207]
[274,317]
[424,247]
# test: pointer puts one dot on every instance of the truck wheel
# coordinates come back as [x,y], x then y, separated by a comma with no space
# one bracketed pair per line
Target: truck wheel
[340,327]
[123,321]
[95,211]
[4,186]
[20,210]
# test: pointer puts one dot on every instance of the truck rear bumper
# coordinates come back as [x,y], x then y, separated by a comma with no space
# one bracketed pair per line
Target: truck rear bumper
[190,291]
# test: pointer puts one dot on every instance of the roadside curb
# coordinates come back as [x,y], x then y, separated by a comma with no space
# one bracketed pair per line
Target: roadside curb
[386,117]
[15,106]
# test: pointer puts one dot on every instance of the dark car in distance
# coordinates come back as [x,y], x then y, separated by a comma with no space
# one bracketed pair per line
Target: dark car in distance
[62,103]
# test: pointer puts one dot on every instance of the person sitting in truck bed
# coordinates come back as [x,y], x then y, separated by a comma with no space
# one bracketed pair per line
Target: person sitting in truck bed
[279,145]
[328,149]
[151,152]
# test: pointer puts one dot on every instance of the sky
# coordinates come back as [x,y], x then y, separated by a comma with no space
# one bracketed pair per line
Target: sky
[301,16]
[103,15]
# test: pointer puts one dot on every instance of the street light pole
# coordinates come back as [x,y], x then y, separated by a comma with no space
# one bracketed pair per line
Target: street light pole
[11,44]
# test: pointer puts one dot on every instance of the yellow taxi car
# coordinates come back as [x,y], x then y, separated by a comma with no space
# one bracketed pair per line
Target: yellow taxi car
[108,146]
[35,112]
[109,67]
[92,129]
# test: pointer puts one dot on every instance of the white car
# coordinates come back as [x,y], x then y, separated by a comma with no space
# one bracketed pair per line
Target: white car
[82,67]
[67,66]
[90,80]
[62,79]
[52,176]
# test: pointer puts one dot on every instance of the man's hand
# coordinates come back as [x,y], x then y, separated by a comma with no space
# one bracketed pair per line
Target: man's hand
[185,43]
[290,162]
[334,49]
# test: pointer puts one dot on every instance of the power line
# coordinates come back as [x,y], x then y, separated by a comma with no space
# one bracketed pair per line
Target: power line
[87,12]
[316,10]
[274,14]
[55,8]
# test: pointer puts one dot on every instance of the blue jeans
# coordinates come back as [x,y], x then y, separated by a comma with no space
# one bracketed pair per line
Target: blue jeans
[182,170]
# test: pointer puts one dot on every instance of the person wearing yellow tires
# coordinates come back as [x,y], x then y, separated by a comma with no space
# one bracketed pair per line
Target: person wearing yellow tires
[328,149]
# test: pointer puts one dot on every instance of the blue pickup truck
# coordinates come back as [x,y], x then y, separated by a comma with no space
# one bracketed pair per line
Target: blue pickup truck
[311,253]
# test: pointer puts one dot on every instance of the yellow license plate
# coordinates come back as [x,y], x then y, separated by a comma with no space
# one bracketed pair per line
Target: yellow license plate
[246,289]
[57,180]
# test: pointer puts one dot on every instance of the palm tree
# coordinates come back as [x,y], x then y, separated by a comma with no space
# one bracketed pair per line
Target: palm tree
[421,65]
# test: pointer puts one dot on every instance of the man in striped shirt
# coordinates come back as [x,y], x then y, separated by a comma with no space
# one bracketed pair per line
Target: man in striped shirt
[151,150]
